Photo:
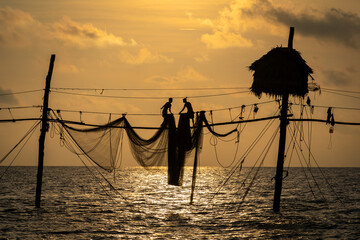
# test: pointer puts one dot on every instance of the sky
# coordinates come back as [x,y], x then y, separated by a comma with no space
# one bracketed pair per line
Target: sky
[170,44]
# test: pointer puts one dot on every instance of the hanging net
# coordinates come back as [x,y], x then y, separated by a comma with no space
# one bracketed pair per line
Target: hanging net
[169,146]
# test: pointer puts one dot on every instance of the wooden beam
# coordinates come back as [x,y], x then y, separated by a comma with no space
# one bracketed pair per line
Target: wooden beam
[44,129]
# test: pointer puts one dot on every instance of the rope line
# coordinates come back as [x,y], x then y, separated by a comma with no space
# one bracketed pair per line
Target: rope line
[30,131]
[21,107]
[265,152]
[23,92]
[148,89]
[241,160]
[320,106]
[340,90]
[157,114]
[341,94]
[150,98]
[309,168]
[322,173]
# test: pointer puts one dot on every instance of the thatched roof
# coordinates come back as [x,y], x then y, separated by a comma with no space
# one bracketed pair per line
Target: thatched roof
[280,71]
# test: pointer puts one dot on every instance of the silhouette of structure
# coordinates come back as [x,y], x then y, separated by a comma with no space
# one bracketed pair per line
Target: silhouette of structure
[280,73]
[44,129]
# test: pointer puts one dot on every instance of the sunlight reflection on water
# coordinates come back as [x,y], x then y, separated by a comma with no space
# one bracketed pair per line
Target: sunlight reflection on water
[74,206]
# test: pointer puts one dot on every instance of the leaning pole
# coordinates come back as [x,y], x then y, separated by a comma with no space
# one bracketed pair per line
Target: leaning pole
[282,140]
[44,129]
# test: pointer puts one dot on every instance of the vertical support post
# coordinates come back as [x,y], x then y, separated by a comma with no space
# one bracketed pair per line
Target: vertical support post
[198,124]
[281,152]
[44,128]
[282,140]
[194,174]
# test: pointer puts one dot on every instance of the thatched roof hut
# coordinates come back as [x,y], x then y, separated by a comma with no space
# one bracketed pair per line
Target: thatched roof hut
[280,71]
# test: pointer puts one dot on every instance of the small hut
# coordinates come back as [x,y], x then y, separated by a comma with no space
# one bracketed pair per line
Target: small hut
[281,71]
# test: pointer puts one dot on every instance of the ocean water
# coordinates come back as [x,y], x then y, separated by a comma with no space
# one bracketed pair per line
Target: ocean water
[78,204]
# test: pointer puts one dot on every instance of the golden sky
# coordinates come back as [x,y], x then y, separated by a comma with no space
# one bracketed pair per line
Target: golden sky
[168,44]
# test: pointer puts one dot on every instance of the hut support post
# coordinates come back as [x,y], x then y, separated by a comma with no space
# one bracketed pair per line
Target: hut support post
[281,152]
[44,129]
[282,140]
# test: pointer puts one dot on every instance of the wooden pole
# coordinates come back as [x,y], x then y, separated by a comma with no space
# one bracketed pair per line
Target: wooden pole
[282,140]
[194,174]
[44,129]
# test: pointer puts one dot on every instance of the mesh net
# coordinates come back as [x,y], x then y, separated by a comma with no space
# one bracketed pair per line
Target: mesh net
[168,146]
[100,144]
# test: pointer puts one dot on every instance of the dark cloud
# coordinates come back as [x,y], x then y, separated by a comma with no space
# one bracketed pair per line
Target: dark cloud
[337,78]
[7,98]
[334,25]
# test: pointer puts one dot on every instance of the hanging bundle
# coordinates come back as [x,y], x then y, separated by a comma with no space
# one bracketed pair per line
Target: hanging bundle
[255,110]
[328,116]
[242,111]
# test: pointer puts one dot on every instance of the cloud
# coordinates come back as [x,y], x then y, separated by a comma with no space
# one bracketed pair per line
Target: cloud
[184,75]
[242,17]
[66,68]
[144,56]
[221,39]
[85,35]
[227,29]
[202,58]
[15,26]
[18,28]
[334,25]
[8,98]
[337,78]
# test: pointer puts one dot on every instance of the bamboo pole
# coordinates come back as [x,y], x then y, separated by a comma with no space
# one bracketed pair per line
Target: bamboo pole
[282,140]
[44,129]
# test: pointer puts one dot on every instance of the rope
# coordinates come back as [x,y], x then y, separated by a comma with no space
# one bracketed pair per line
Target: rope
[319,106]
[21,107]
[150,98]
[241,160]
[341,94]
[30,131]
[23,92]
[157,114]
[267,147]
[325,178]
[339,90]
[237,142]
[309,169]
[149,89]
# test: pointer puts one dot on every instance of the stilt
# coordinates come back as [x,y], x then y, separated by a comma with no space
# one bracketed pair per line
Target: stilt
[194,174]
[280,161]
[44,129]
[282,140]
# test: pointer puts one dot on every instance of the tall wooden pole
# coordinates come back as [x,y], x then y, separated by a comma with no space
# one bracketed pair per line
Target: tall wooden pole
[44,128]
[282,140]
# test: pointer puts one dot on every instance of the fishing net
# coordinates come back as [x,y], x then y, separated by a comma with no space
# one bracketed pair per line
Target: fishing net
[100,144]
[168,146]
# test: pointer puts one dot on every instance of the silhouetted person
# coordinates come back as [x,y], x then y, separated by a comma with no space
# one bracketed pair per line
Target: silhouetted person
[166,107]
[190,111]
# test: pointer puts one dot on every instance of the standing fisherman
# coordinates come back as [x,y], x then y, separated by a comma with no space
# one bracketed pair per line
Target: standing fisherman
[190,111]
[166,107]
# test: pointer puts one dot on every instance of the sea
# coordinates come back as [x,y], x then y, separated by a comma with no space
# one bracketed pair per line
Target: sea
[135,203]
